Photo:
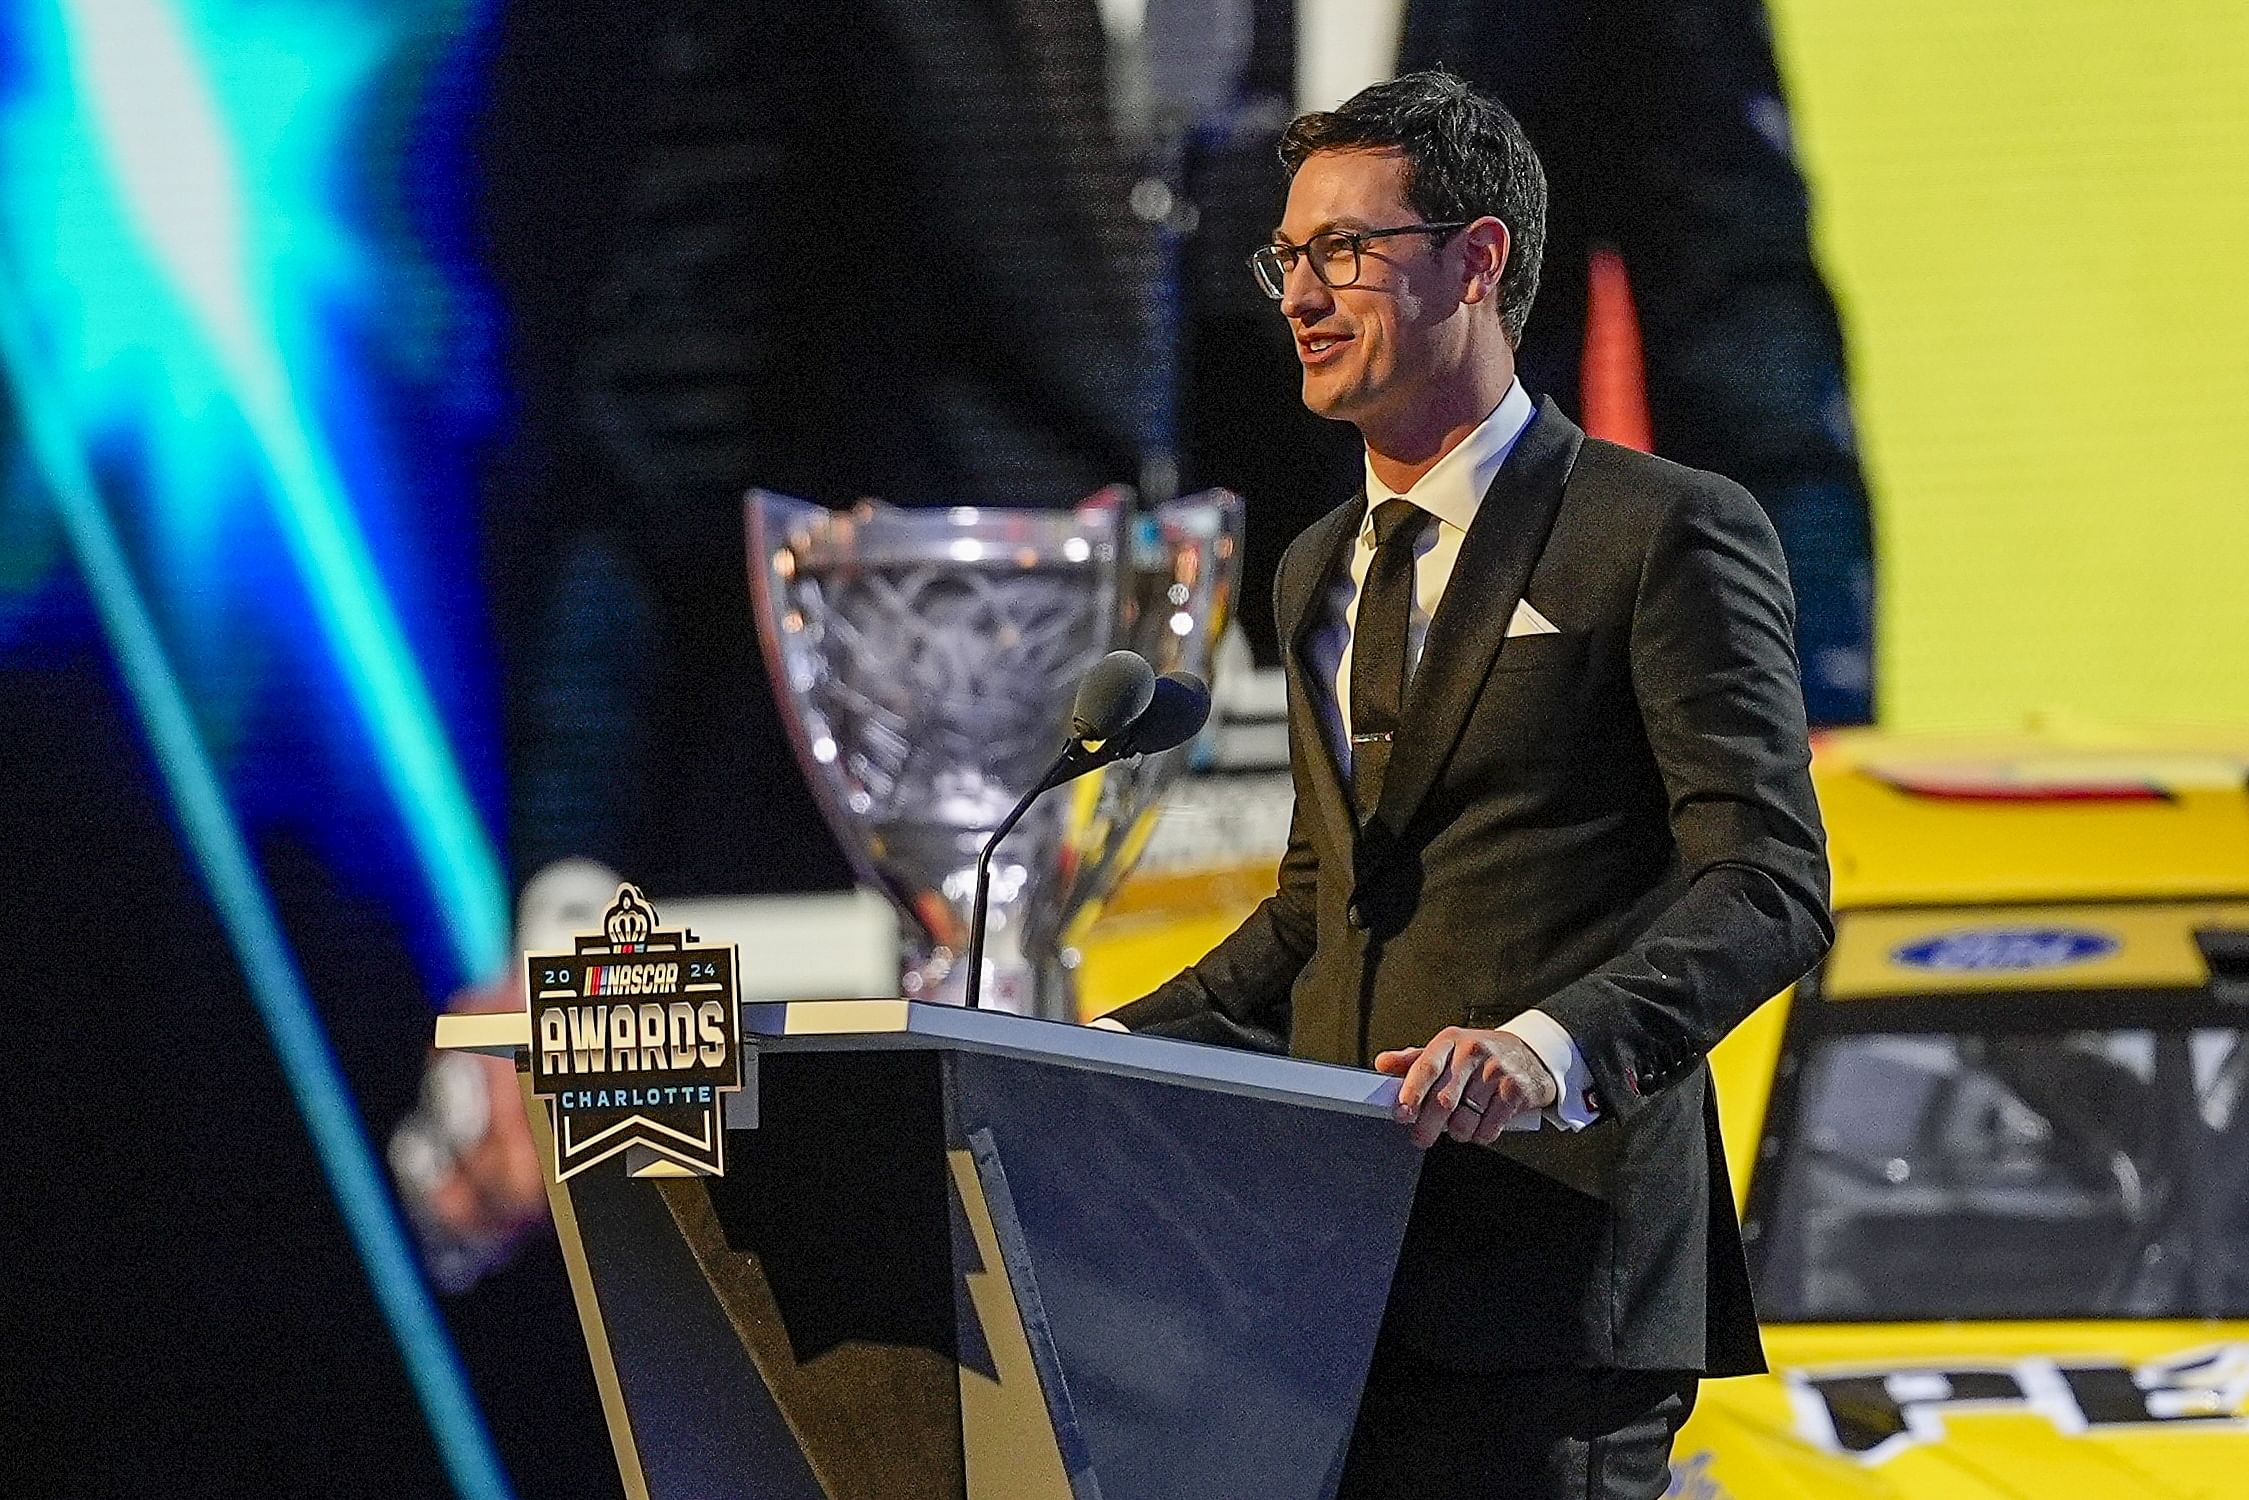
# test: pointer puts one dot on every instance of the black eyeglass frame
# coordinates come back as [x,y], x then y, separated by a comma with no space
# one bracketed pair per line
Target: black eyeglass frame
[1274,253]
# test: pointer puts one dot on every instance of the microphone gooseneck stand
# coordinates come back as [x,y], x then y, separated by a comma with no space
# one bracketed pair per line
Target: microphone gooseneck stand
[1113,696]
[1171,711]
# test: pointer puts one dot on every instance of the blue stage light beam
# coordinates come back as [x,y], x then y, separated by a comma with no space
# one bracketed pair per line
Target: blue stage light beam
[171,163]
[207,824]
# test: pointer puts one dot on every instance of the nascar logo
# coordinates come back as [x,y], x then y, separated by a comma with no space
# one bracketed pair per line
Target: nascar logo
[632,979]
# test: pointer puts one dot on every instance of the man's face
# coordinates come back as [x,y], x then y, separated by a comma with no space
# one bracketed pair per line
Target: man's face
[1370,350]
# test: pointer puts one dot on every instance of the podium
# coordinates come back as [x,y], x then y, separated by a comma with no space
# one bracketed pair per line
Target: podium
[966,1255]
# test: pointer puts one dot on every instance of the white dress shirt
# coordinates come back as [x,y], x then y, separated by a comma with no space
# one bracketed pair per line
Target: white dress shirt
[1452,491]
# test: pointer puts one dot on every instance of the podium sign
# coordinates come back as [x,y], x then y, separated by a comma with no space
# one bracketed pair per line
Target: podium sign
[636,1037]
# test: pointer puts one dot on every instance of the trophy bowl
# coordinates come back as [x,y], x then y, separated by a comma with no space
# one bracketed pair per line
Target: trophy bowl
[925,662]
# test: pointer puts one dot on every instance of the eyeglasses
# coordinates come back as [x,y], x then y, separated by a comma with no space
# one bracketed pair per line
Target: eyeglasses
[1334,253]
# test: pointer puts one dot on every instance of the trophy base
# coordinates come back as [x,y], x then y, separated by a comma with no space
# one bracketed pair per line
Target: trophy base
[1012,983]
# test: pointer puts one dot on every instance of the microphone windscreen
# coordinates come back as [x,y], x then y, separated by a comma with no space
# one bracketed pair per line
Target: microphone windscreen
[1176,714]
[1116,692]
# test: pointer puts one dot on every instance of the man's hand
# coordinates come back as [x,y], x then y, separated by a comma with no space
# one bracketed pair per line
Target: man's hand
[466,1166]
[1467,1084]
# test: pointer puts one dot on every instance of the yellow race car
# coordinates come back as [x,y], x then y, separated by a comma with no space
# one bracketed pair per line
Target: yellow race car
[1992,1158]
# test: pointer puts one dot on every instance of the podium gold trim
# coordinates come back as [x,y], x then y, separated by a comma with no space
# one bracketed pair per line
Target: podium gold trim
[613,1409]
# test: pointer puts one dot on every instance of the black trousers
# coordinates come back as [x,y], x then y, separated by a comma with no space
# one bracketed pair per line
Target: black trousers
[1437,1434]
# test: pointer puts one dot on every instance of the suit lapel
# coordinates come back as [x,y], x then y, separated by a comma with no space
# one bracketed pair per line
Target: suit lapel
[1302,613]
[1496,558]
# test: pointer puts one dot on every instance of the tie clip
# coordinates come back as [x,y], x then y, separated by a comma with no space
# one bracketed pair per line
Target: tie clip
[1382,738]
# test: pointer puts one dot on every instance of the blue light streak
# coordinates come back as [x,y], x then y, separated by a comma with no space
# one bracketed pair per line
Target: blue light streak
[173,268]
[166,161]
[322,1095]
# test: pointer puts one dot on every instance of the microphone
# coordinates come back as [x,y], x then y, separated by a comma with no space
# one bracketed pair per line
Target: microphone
[1176,713]
[1116,695]
[1116,692]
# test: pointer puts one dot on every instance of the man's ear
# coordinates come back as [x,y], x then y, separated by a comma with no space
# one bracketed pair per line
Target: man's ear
[1487,244]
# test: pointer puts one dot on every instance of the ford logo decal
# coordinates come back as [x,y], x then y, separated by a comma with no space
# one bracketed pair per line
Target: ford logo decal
[1982,949]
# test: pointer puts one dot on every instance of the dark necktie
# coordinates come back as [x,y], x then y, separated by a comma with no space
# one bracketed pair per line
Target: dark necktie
[1378,648]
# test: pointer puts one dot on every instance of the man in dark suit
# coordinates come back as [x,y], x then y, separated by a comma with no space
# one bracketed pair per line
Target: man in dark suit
[1554,834]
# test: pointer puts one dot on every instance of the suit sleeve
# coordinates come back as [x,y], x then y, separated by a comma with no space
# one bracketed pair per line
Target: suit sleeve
[1714,671]
[1238,994]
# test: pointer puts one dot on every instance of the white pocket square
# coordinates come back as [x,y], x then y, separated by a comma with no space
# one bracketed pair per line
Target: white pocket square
[1528,621]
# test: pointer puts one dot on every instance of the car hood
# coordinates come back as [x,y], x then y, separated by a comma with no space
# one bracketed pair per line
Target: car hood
[1978,1412]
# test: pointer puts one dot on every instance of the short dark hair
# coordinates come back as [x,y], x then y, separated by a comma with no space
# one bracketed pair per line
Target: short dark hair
[1465,157]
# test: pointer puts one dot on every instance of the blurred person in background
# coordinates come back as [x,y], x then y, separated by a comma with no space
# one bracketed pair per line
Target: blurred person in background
[1666,140]
[833,250]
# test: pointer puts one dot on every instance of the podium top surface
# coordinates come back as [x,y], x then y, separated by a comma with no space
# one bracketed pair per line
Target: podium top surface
[816,1024]
[830,1025]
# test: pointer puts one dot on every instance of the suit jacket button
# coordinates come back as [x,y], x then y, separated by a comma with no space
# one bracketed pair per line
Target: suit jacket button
[1356,915]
